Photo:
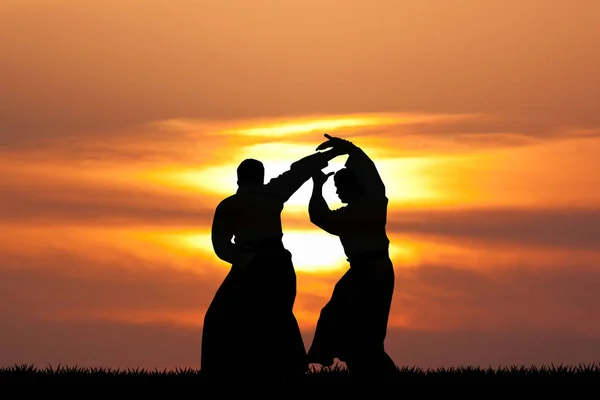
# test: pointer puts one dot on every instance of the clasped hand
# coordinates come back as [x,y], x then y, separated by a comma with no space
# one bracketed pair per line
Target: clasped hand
[337,145]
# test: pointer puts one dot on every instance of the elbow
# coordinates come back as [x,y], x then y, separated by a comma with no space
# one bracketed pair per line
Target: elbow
[224,256]
[316,220]
[313,217]
[313,213]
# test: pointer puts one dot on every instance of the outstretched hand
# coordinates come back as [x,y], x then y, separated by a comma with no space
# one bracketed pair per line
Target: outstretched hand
[341,145]
[320,178]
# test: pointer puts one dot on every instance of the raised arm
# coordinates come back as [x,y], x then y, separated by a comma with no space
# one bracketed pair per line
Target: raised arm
[222,233]
[359,162]
[286,184]
[319,212]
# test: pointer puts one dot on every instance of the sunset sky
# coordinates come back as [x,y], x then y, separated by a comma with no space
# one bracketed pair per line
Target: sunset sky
[122,123]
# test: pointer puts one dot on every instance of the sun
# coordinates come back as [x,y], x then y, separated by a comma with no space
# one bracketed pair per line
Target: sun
[312,251]
[315,251]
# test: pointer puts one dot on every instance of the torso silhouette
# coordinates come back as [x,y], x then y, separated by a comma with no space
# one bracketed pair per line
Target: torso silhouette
[253,214]
[361,226]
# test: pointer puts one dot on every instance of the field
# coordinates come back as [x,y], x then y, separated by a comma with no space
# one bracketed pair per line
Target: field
[589,373]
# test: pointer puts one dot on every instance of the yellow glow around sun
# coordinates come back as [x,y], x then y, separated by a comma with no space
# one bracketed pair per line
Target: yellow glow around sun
[407,180]
[309,126]
[312,251]
[285,128]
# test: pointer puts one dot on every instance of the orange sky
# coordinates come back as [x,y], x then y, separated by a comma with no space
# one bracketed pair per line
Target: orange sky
[122,123]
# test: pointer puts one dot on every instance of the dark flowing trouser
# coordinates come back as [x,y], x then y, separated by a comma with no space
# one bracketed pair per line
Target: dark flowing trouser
[249,328]
[353,324]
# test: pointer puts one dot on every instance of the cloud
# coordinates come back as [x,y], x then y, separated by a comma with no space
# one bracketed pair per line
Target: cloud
[497,347]
[88,197]
[97,344]
[80,197]
[560,227]
[554,296]
[101,66]
[96,287]
[147,144]
[61,313]
[74,279]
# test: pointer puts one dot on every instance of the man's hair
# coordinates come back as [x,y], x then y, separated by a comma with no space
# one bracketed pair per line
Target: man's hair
[348,178]
[250,171]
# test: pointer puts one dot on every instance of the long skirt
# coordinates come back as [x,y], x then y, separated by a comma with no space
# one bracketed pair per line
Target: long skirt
[352,326]
[250,328]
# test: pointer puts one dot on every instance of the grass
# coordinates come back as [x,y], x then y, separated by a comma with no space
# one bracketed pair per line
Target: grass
[589,373]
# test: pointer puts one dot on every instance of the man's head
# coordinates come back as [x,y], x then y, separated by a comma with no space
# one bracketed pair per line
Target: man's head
[250,172]
[348,186]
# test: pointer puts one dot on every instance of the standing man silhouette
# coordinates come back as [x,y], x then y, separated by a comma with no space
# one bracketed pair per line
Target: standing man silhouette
[352,326]
[249,328]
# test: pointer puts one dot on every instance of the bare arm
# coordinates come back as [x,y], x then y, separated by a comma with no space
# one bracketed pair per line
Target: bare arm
[359,162]
[319,212]
[286,184]
[221,235]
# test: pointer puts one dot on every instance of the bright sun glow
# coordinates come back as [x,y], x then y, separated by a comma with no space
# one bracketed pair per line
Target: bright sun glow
[312,251]
[286,128]
[408,181]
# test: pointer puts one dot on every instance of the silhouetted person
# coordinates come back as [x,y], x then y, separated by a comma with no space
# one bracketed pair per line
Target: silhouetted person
[249,328]
[352,326]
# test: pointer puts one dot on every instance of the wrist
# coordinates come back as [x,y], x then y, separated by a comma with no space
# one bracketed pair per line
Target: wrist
[332,153]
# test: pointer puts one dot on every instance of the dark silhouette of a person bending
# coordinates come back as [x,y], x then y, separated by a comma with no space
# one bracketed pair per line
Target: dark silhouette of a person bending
[249,328]
[352,326]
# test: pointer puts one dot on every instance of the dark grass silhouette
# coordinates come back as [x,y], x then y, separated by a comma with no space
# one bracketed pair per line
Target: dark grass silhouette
[582,373]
